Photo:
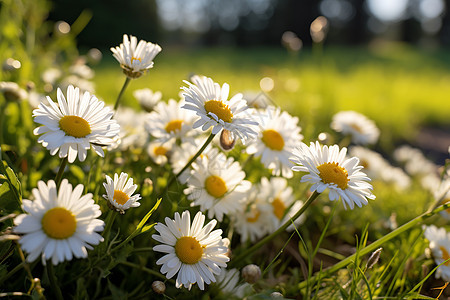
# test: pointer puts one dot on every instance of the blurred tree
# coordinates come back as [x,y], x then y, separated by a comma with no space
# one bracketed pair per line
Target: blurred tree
[110,20]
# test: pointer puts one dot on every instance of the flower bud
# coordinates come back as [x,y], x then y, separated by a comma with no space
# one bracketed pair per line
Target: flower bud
[227,140]
[251,273]
[158,287]
[276,295]
[373,259]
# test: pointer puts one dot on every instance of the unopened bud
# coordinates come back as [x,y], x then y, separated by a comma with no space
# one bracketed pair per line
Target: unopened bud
[158,287]
[373,259]
[251,273]
[276,295]
[227,140]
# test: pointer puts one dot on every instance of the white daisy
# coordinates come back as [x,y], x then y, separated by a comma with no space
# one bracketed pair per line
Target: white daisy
[12,91]
[362,130]
[160,152]
[283,205]
[168,121]
[210,102]
[376,167]
[132,131]
[415,163]
[194,251]
[76,125]
[135,58]
[182,154]
[442,194]
[278,136]
[147,98]
[329,168]
[253,221]
[60,224]
[228,283]
[440,248]
[119,192]
[218,186]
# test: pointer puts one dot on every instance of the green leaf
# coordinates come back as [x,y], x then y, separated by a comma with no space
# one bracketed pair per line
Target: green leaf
[145,218]
[77,172]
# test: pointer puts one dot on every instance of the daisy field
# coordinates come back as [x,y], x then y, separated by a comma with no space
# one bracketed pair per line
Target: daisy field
[148,171]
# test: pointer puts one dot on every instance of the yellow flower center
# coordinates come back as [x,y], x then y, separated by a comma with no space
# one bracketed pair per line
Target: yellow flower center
[445,255]
[120,197]
[222,111]
[174,125]
[255,216]
[215,186]
[356,127]
[333,173]
[160,150]
[278,208]
[75,126]
[272,139]
[59,223]
[188,250]
[135,58]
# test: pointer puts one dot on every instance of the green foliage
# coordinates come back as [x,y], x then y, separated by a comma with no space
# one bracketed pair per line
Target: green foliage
[402,89]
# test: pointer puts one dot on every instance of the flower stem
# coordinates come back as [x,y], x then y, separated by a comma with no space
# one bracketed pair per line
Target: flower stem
[2,117]
[62,166]
[109,221]
[125,84]
[200,151]
[142,268]
[270,237]
[53,281]
[373,246]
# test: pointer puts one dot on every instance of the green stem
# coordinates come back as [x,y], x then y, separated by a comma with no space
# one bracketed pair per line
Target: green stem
[375,245]
[147,270]
[280,230]
[62,166]
[2,117]
[53,281]
[125,84]
[207,142]
[109,221]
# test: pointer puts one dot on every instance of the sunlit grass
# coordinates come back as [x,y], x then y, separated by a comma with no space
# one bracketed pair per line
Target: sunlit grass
[399,87]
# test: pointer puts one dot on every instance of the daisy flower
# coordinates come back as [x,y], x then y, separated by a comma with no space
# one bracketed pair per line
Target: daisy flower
[119,192]
[160,152]
[135,58]
[77,124]
[132,132]
[278,136]
[60,224]
[147,98]
[252,222]
[210,102]
[182,154]
[218,186]
[12,91]
[282,203]
[376,167]
[228,283]
[194,251]
[442,194]
[440,248]
[362,130]
[329,168]
[168,121]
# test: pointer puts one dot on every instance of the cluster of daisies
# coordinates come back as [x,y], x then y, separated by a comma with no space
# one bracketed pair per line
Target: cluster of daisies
[193,135]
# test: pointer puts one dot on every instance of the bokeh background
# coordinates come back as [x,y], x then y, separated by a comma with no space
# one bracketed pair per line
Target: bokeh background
[389,60]
[258,22]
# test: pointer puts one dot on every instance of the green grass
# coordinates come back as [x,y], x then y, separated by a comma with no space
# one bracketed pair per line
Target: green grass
[399,87]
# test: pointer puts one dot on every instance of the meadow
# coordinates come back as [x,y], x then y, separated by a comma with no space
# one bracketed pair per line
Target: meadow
[282,234]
